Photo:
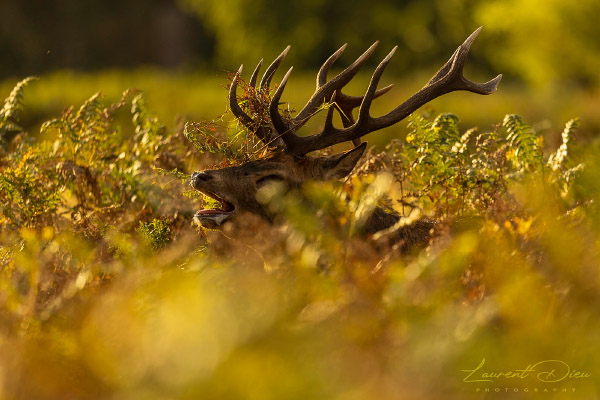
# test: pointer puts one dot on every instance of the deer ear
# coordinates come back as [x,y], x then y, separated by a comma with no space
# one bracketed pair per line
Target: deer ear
[340,165]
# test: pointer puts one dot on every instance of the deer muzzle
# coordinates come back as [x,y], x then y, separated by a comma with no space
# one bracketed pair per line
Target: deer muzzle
[210,217]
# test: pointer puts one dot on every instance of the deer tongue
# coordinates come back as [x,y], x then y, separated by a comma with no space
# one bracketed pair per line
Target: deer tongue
[211,217]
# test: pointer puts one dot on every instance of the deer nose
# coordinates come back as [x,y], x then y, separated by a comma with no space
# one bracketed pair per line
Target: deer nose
[200,177]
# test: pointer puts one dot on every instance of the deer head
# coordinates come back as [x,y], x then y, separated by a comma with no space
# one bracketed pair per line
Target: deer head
[236,187]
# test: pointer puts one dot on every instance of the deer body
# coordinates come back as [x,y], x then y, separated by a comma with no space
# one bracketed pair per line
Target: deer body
[236,187]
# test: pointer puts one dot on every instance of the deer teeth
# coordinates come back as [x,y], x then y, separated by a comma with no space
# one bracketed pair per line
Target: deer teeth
[211,217]
[212,211]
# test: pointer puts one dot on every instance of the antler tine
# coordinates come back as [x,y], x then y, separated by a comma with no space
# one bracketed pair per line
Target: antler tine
[452,70]
[268,75]
[261,132]
[233,103]
[322,74]
[255,74]
[324,91]
[345,102]
[449,78]
[277,120]
[331,135]
[365,106]
[352,102]
[348,103]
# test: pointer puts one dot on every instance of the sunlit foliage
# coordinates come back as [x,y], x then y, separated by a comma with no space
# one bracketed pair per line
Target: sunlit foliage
[550,42]
[106,291]
[10,112]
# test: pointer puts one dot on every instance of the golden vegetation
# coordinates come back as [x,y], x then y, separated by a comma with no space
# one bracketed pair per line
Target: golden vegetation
[106,291]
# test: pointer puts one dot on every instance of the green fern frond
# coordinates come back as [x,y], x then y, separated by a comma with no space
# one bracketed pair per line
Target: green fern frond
[556,159]
[145,123]
[11,110]
[8,126]
[461,145]
[446,126]
[13,104]
[419,126]
[148,129]
[525,151]
[91,108]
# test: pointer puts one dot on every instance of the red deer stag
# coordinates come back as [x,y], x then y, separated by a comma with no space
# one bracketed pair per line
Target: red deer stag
[236,187]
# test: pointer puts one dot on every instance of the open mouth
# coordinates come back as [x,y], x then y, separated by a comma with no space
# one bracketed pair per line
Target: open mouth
[214,216]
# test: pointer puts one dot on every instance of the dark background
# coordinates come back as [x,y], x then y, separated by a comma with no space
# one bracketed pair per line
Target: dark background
[37,36]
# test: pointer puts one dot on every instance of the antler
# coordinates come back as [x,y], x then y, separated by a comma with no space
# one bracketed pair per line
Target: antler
[322,94]
[264,132]
[448,79]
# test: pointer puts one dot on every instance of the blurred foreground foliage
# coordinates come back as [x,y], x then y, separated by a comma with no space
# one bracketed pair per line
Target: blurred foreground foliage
[106,291]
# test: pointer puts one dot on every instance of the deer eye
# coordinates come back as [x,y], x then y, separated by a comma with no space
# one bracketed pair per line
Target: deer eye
[268,178]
